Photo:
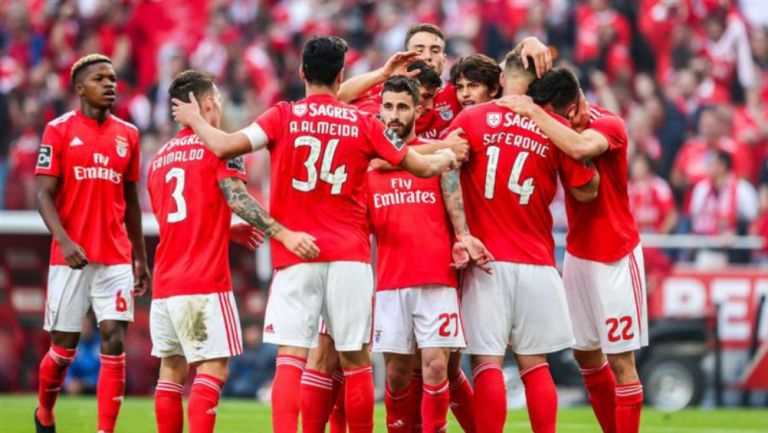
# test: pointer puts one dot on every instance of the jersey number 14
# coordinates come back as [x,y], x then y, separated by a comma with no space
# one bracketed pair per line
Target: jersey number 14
[524,190]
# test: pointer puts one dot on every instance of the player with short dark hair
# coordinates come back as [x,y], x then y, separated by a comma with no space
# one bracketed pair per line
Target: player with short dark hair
[87,171]
[320,149]
[476,79]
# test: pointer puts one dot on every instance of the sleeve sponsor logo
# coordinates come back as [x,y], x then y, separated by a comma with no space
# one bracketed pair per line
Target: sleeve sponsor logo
[394,139]
[236,164]
[493,119]
[44,158]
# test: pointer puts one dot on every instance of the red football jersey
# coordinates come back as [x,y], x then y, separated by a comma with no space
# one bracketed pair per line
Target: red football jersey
[320,149]
[194,217]
[413,232]
[604,230]
[509,182]
[651,201]
[92,163]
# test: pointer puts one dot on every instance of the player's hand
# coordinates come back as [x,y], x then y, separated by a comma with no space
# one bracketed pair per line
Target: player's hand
[458,144]
[74,254]
[141,278]
[246,235]
[542,57]
[185,113]
[520,104]
[580,117]
[398,64]
[299,243]
[478,253]
[452,161]
[459,256]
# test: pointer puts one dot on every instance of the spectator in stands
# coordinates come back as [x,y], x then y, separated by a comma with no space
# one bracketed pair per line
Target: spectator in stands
[83,373]
[254,368]
[650,197]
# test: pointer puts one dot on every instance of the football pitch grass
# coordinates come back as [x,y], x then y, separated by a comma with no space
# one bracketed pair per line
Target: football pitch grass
[78,415]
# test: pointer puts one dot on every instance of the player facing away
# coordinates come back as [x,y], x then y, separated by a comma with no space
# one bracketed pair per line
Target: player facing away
[603,270]
[86,173]
[508,184]
[320,149]
[193,194]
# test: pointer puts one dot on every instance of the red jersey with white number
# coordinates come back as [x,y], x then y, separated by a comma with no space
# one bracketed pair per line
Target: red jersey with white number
[651,201]
[413,233]
[92,163]
[510,181]
[320,149]
[192,257]
[604,229]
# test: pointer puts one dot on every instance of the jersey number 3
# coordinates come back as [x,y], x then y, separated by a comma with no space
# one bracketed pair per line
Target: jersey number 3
[177,195]
[336,179]
[524,190]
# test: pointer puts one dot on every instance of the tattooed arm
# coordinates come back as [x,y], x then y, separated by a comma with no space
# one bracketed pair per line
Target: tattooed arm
[246,207]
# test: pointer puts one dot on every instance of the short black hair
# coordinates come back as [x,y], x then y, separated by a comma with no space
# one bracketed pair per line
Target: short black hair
[83,63]
[724,158]
[558,87]
[323,58]
[427,76]
[191,80]
[513,61]
[402,84]
[478,68]
[423,27]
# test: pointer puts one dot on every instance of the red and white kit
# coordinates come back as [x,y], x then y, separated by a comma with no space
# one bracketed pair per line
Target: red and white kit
[193,312]
[508,184]
[603,270]
[417,300]
[91,162]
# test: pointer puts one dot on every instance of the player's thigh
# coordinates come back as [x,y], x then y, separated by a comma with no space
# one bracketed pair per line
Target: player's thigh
[294,305]
[583,303]
[486,304]
[393,322]
[67,297]
[541,322]
[348,304]
[166,344]
[111,293]
[437,317]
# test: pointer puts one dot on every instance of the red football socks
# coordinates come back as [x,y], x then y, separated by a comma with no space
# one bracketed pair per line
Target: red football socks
[53,370]
[169,411]
[359,399]
[461,402]
[399,410]
[417,387]
[490,400]
[316,400]
[541,398]
[285,387]
[601,387]
[203,403]
[434,407]
[110,390]
[338,418]
[629,403]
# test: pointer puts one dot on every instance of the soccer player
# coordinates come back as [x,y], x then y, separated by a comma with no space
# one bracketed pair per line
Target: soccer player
[193,195]
[87,171]
[476,79]
[603,269]
[320,149]
[508,184]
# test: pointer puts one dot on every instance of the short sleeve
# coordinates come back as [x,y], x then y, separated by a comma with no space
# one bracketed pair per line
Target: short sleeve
[384,142]
[575,173]
[49,154]
[612,127]
[235,167]
[271,122]
[132,171]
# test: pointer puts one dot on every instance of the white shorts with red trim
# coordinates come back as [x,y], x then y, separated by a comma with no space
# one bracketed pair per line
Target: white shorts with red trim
[607,302]
[424,316]
[106,288]
[520,306]
[198,327]
[341,293]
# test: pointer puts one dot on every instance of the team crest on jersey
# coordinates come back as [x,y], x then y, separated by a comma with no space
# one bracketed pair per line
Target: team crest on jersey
[445,112]
[394,139]
[122,146]
[236,164]
[299,109]
[44,157]
[493,119]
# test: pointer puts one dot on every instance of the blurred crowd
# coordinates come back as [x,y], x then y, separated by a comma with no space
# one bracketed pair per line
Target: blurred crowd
[690,77]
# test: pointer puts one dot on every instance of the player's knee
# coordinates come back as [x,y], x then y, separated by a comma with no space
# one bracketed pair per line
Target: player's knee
[217,368]
[623,366]
[398,375]
[112,344]
[435,369]
[590,358]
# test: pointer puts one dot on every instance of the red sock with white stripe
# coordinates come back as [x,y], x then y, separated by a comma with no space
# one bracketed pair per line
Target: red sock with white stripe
[359,399]
[541,398]
[110,390]
[417,386]
[461,402]
[169,411]
[629,403]
[490,402]
[53,370]
[601,387]
[203,403]
[338,418]
[316,400]
[285,387]
[398,405]
[434,407]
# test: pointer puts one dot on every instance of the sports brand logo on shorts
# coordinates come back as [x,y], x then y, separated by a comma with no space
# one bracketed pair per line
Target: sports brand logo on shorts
[377,335]
[493,119]
[445,112]
[394,139]
[122,146]
[44,157]
[300,110]
[236,164]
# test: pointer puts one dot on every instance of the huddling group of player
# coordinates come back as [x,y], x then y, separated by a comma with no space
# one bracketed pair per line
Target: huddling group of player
[453,179]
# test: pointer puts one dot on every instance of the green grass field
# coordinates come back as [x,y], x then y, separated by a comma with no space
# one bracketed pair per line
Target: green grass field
[78,415]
